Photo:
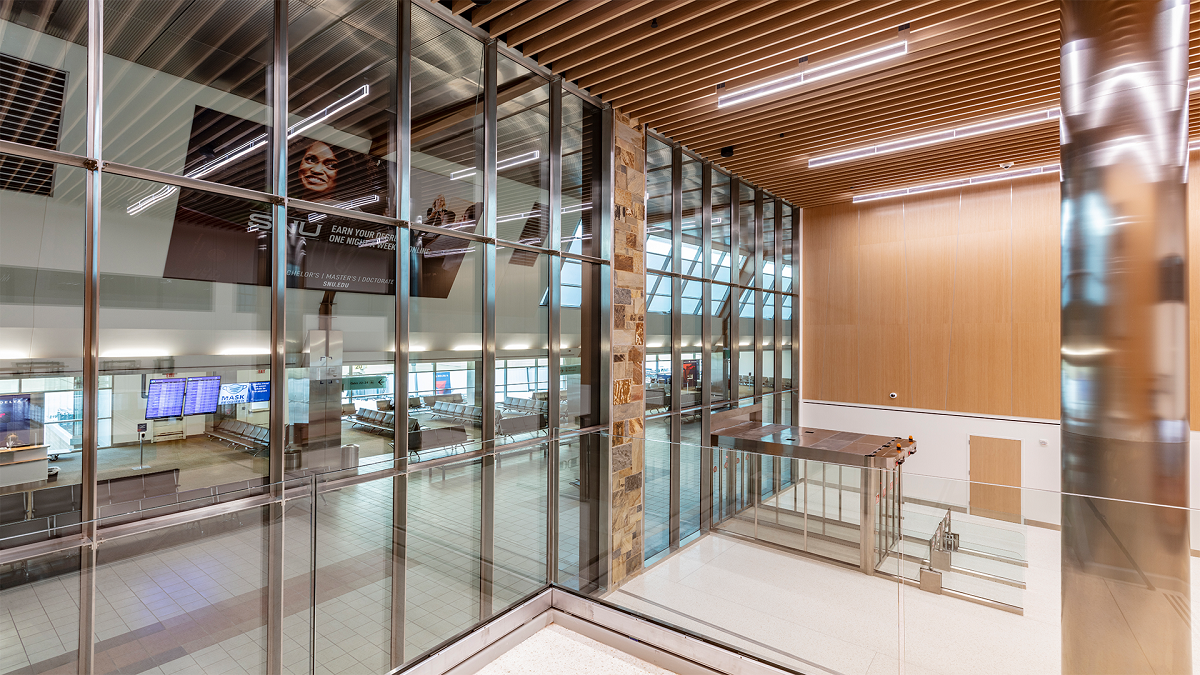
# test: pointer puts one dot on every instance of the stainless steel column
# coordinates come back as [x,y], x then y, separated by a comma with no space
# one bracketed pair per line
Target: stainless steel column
[487,521]
[1124,337]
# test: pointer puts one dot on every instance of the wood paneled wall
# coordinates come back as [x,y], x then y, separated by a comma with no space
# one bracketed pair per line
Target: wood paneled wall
[949,300]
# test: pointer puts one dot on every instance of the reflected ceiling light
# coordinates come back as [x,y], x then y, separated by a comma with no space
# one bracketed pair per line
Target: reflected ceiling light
[353,203]
[936,137]
[818,72]
[465,348]
[503,164]
[517,347]
[418,349]
[13,354]
[958,182]
[516,216]
[576,208]
[134,353]
[1085,352]
[246,148]
[245,351]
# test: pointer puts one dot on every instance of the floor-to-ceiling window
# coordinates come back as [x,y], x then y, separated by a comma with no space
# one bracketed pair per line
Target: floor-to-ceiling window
[289,267]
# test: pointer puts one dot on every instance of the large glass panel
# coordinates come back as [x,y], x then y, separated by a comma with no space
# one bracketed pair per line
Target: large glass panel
[520,508]
[721,326]
[786,290]
[658,485]
[692,197]
[445,344]
[39,603]
[441,596]
[185,333]
[770,264]
[746,233]
[522,343]
[691,340]
[43,98]
[342,103]
[186,597]
[522,155]
[447,124]
[580,175]
[747,306]
[720,262]
[41,350]
[353,610]
[341,340]
[579,326]
[658,205]
[187,91]
[658,343]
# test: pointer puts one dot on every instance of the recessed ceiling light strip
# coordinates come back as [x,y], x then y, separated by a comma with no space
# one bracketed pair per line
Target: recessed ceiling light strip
[819,72]
[958,182]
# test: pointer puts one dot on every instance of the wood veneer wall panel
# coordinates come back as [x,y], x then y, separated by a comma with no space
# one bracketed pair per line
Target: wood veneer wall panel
[930,225]
[1036,305]
[818,223]
[839,372]
[882,313]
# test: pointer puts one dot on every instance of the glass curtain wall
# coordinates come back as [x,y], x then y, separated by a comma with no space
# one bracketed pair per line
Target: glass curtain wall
[718,328]
[378,246]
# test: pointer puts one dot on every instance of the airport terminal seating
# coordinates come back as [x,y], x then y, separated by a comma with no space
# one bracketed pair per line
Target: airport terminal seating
[443,398]
[428,439]
[375,419]
[526,405]
[241,434]
[457,412]
[655,399]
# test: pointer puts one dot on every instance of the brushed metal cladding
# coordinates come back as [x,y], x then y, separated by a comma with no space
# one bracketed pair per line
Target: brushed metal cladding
[1124,337]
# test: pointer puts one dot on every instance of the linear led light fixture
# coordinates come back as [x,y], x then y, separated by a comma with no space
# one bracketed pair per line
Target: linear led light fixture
[1001,124]
[819,72]
[353,203]
[936,137]
[958,182]
[531,156]
[330,111]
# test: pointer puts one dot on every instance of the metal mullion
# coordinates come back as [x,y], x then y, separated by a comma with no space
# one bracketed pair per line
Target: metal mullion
[487,521]
[585,258]
[86,648]
[42,154]
[735,289]
[278,173]
[401,190]
[673,478]
[758,295]
[777,342]
[198,184]
[602,215]
[797,391]
[706,456]
[554,369]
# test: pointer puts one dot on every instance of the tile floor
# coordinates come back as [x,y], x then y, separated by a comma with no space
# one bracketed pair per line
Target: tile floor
[555,650]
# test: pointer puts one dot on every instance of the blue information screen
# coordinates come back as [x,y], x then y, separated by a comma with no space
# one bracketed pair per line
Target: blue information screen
[260,392]
[202,395]
[164,398]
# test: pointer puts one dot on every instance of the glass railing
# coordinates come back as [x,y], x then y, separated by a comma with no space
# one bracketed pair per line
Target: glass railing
[182,582]
[944,578]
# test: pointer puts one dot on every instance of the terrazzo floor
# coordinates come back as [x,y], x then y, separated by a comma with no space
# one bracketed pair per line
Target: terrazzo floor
[555,650]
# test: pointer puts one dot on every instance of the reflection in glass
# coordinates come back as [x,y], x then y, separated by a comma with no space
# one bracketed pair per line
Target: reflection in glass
[692,248]
[522,343]
[579,322]
[720,228]
[659,246]
[691,373]
[523,155]
[445,313]
[185,313]
[187,92]
[580,175]
[658,343]
[720,376]
[447,125]
[657,482]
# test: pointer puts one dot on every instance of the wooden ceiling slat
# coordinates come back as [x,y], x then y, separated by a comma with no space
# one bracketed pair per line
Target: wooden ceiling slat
[672,38]
[955,52]
[954,60]
[879,124]
[519,16]
[485,13]
[461,6]
[571,32]
[616,34]
[803,35]
[692,92]
[545,22]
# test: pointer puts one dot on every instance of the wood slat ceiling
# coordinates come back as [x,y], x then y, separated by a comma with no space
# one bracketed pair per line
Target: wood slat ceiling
[660,61]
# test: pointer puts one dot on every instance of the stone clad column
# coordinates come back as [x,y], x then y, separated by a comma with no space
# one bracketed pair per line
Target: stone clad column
[1125,548]
[628,348]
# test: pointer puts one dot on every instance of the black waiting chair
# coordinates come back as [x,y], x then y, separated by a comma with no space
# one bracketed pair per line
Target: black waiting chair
[53,501]
[12,508]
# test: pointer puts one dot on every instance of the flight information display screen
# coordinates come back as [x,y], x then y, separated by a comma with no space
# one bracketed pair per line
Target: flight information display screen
[203,393]
[164,398]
